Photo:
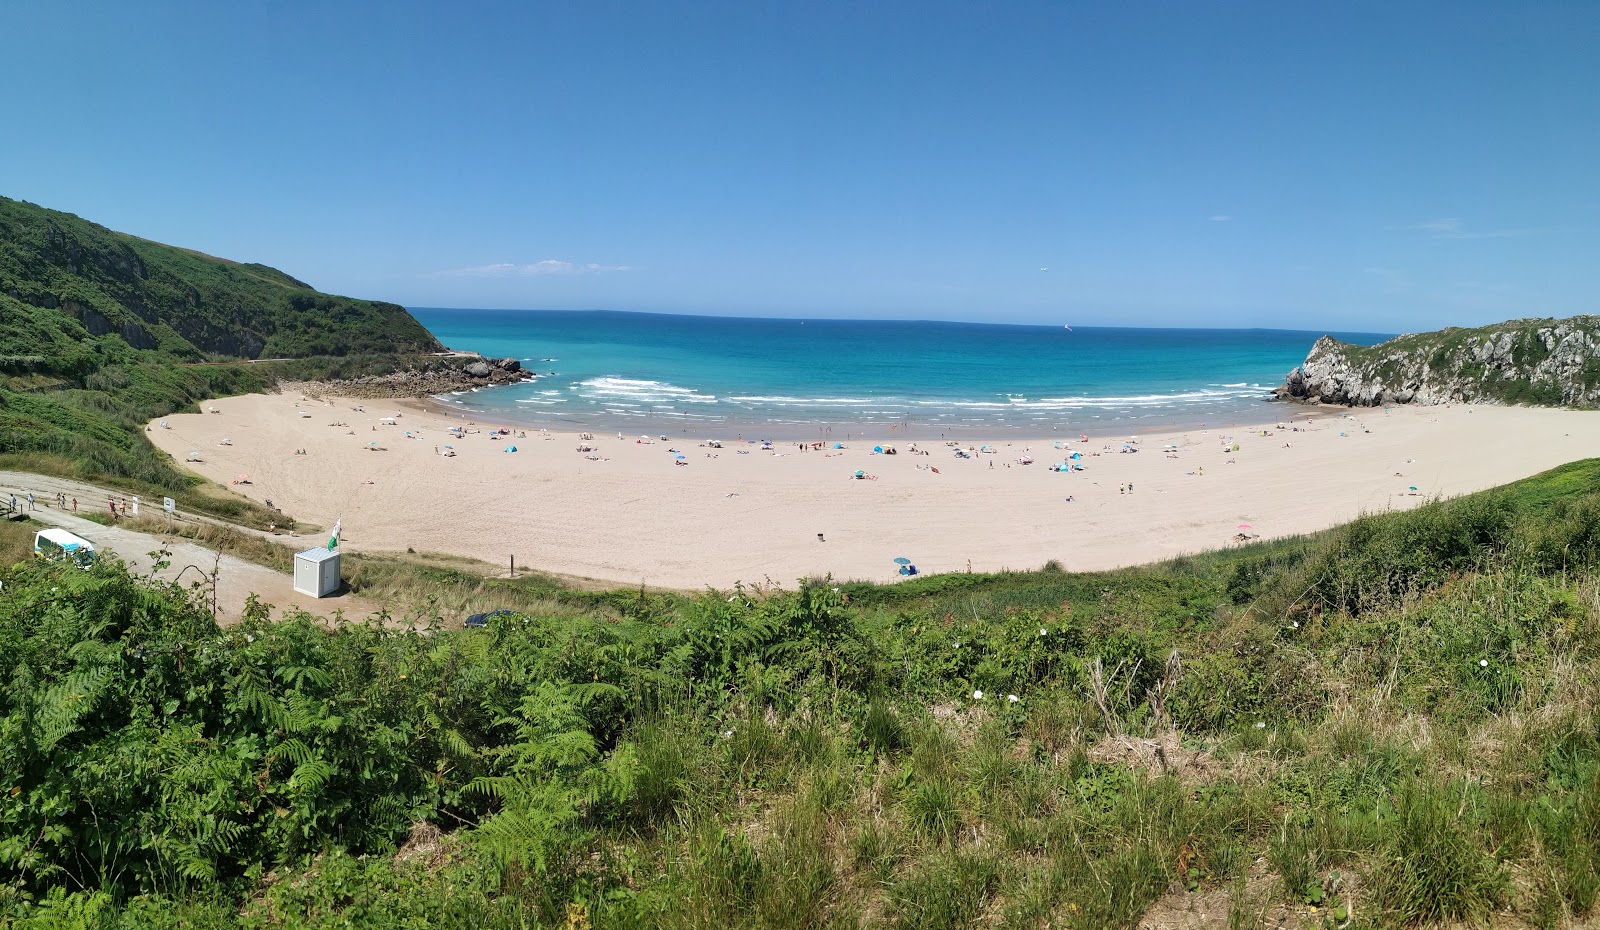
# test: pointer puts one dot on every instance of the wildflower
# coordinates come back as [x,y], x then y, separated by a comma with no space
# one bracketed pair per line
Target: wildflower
[1012,699]
[1295,624]
[727,734]
[958,645]
[977,695]
[836,590]
[1261,724]
[1043,631]
[1483,663]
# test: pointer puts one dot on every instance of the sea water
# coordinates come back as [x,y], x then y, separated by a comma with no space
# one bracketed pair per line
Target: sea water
[805,379]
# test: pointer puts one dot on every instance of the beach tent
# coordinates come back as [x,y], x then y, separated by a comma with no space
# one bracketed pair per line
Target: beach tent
[838,445]
[877,450]
[511,448]
[1076,455]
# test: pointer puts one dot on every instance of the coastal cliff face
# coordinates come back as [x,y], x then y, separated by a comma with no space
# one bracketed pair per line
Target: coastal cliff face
[1545,362]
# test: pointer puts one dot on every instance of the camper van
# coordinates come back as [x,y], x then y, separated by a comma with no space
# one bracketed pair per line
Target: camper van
[59,544]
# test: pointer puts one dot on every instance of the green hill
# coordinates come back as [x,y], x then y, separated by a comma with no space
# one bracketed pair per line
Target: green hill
[65,282]
[101,331]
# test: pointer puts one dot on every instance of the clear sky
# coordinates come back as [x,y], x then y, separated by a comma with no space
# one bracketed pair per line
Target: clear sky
[1360,166]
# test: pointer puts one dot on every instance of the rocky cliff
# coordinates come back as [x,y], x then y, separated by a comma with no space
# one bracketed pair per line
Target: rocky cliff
[1535,361]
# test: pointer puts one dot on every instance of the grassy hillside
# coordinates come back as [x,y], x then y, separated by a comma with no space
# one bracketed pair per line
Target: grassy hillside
[1393,723]
[64,281]
[102,331]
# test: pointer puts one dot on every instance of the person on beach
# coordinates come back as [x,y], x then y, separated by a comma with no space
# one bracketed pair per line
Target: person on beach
[30,501]
[74,505]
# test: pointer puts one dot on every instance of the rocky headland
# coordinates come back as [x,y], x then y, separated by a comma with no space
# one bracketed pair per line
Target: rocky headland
[425,377]
[1546,362]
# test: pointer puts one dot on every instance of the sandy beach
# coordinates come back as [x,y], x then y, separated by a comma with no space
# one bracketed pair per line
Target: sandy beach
[625,512]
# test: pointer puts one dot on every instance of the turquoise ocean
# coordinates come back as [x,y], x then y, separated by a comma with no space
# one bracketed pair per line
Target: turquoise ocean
[798,379]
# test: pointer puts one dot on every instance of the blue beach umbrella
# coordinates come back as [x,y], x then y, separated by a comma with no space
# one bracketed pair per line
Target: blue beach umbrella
[678,456]
[902,561]
[511,448]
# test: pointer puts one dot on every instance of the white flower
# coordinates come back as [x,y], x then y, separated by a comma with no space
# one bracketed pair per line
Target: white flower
[727,734]
[1043,631]
[1261,724]
[1012,699]
[835,590]
[1483,663]
[1295,624]
[958,645]
[977,695]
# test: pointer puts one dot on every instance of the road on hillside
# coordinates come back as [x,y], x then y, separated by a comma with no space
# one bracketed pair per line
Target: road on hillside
[190,562]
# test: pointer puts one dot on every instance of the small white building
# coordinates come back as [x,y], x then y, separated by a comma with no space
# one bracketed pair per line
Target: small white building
[316,571]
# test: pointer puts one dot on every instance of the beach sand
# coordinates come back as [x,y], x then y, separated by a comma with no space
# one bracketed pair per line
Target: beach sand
[739,513]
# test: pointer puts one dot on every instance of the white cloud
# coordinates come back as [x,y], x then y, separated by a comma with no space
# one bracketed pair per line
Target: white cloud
[1220,218]
[1394,280]
[1452,227]
[548,266]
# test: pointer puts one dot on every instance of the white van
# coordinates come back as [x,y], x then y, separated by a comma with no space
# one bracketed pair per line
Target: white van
[57,544]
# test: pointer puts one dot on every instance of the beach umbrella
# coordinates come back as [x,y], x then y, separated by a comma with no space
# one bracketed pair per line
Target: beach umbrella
[244,477]
[449,447]
[860,474]
[902,560]
[1246,526]
[1413,487]
[511,448]
[677,456]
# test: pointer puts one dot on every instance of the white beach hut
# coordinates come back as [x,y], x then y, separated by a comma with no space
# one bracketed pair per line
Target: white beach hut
[316,571]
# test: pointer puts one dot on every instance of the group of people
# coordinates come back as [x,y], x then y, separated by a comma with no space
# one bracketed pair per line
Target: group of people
[33,504]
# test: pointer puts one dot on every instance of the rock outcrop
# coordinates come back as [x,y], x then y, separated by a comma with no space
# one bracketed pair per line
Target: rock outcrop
[429,376]
[1536,361]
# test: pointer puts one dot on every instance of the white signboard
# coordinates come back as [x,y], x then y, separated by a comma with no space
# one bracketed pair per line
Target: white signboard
[136,506]
[168,504]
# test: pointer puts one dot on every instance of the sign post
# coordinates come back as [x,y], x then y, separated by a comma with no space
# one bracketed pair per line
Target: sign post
[169,505]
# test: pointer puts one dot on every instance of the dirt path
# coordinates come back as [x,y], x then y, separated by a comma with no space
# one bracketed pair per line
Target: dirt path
[190,562]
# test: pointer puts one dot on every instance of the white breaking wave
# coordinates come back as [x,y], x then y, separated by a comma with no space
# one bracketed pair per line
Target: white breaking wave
[646,391]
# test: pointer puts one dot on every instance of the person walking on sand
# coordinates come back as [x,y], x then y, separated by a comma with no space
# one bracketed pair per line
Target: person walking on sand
[30,501]
[74,505]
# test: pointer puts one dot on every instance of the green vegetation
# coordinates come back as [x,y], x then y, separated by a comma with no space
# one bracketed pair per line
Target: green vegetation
[1390,724]
[1543,362]
[101,332]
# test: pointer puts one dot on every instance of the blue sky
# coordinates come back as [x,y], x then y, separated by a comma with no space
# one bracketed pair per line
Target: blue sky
[1358,166]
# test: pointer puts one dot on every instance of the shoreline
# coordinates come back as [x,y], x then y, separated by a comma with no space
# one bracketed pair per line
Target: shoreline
[1240,416]
[624,512]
